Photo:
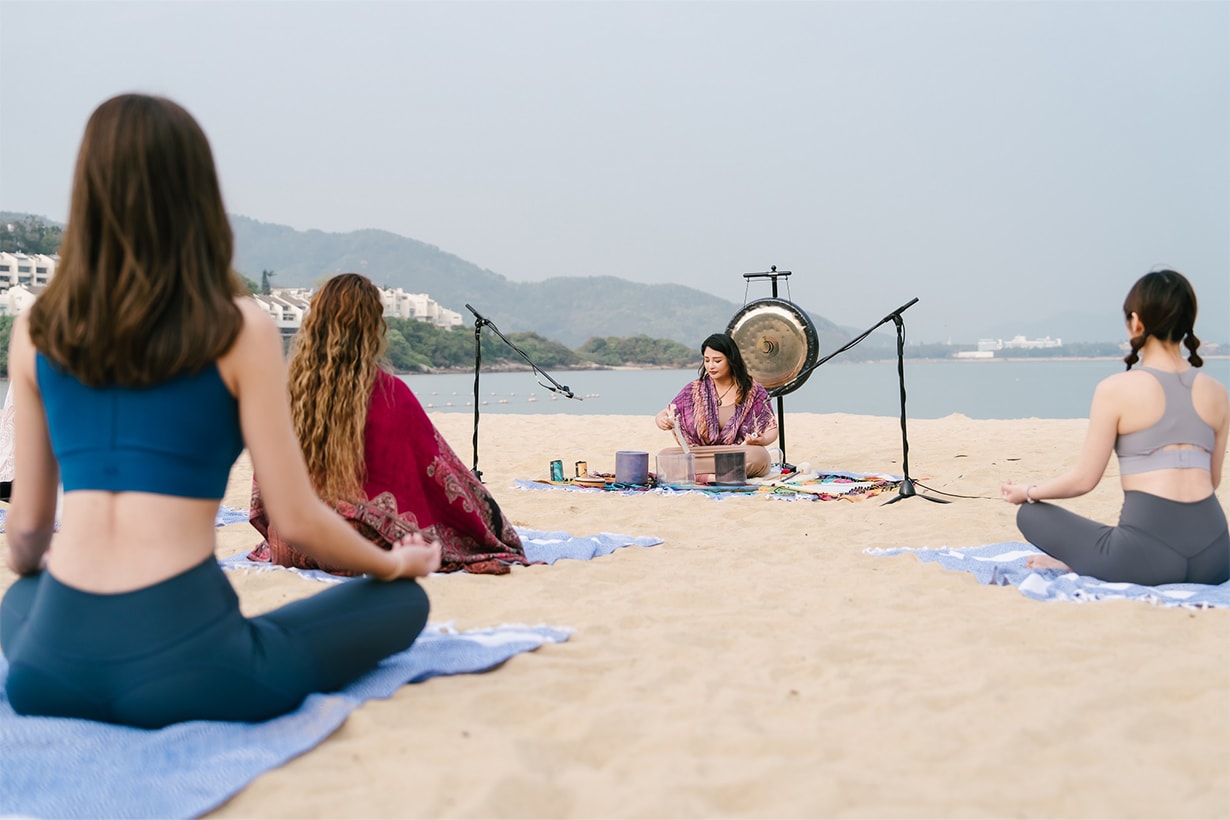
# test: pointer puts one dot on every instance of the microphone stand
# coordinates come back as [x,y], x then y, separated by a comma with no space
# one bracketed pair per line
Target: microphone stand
[554,387]
[907,485]
[906,490]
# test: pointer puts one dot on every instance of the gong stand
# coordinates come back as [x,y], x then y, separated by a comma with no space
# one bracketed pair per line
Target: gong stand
[789,315]
[554,387]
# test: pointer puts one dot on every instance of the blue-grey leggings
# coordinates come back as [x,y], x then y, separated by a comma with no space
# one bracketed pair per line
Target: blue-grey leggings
[1157,541]
[180,650]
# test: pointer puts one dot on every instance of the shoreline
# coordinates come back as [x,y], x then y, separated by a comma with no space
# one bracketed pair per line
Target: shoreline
[522,368]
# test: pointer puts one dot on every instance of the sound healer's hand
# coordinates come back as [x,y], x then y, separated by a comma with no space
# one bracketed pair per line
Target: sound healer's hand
[666,419]
[416,557]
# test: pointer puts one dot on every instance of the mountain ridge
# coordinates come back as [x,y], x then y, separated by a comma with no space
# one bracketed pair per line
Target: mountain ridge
[568,309]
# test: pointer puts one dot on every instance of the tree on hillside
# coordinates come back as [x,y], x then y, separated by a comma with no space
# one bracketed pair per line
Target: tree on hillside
[266,282]
[6,329]
[252,287]
[543,352]
[641,349]
[31,235]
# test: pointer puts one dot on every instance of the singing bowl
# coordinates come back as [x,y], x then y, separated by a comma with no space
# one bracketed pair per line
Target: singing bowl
[778,342]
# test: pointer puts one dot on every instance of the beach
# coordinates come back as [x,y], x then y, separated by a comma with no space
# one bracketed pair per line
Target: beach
[759,663]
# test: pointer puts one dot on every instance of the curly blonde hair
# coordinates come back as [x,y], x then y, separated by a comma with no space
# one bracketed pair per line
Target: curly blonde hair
[337,353]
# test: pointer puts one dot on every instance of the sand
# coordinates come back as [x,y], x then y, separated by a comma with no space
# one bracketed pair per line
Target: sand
[759,663]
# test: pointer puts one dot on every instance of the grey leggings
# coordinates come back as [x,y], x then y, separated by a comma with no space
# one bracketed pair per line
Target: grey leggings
[1157,541]
[180,649]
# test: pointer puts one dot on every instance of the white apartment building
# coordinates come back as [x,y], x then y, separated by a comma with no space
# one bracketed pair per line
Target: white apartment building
[1021,343]
[23,277]
[1018,343]
[30,269]
[288,306]
[418,306]
[18,298]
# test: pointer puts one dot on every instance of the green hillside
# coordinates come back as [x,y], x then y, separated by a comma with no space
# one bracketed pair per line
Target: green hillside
[570,310]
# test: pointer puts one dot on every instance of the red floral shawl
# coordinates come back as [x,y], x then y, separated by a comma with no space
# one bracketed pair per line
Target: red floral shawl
[696,413]
[415,482]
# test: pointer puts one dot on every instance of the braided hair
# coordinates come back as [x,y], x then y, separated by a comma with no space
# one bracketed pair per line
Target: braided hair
[1165,304]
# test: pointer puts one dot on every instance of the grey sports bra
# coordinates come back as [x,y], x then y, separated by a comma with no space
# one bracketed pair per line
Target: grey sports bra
[1142,451]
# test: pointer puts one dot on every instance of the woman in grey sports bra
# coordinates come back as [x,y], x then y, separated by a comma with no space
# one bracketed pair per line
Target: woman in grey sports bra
[1167,424]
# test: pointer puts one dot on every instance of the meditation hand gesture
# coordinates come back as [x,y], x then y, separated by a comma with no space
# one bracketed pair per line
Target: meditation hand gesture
[415,556]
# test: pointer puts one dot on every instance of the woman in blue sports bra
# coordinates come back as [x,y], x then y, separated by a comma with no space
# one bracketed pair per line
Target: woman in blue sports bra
[142,372]
[1168,424]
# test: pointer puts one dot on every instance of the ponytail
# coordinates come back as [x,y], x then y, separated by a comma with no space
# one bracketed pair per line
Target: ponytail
[1192,344]
[1137,342]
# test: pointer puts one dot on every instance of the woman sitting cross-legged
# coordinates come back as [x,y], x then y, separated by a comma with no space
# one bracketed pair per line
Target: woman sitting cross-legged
[1168,424]
[721,411]
[142,373]
[372,452]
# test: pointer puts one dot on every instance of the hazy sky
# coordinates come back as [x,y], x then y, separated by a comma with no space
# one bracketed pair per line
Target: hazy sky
[994,159]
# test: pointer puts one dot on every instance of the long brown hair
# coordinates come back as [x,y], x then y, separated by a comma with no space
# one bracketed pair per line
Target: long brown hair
[337,352]
[724,344]
[1165,303]
[144,288]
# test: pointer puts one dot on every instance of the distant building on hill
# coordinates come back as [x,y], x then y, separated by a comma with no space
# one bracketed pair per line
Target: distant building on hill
[18,298]
[30,269]
[418,306]
[23,277]
[1018,343]
[288,306]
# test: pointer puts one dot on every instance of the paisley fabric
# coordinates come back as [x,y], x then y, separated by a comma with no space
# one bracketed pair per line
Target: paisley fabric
[696,414]
[415,483]
[6,436]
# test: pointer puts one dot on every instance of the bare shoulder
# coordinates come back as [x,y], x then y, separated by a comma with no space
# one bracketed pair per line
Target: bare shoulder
[20,331]
[258,345]
[21,349]
[1209,392]
[258,326]
[1122,384]
[1207,382]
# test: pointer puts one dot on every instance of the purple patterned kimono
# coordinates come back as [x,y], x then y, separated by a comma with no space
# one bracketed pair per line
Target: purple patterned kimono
[696,414]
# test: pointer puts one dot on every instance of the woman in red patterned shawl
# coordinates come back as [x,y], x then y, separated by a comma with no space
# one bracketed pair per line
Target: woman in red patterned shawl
[371,450]
[722,410]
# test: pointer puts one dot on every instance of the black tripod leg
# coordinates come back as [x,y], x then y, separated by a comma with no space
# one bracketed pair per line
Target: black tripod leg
[478,355]
[907,484]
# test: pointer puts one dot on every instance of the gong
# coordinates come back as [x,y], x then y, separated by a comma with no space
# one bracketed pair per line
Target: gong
[778,342]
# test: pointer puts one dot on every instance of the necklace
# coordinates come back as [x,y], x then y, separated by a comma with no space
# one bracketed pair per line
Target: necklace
[722,395]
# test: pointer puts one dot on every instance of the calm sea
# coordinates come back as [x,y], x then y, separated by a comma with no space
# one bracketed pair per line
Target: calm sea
[1004,389]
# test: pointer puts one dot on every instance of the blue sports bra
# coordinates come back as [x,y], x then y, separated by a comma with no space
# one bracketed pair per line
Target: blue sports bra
[179,438]
[1142,451]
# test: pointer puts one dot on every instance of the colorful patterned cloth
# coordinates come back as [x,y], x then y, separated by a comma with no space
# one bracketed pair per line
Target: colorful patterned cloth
[696,414]
[7,426]
[415,483]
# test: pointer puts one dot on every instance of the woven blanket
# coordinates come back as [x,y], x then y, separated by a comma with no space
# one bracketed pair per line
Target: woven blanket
[55,767]
[1004,564]
[825,486]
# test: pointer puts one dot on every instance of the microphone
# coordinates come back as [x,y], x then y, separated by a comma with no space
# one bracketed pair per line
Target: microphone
[896,314]
[482,318]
